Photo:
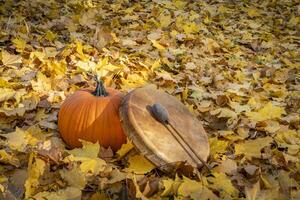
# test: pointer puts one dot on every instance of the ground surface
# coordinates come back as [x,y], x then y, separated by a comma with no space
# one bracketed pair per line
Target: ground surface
[235,64]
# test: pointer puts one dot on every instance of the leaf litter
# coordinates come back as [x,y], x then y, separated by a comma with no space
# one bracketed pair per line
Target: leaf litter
[234,65]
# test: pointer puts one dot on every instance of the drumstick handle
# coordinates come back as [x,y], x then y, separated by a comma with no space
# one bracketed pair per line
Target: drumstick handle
[183,146]
[179,135]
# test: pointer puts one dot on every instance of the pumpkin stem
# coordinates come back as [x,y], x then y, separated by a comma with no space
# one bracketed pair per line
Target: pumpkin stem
[100,89]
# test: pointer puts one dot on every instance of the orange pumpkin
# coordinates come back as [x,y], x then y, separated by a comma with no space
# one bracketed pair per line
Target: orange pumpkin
[92,116]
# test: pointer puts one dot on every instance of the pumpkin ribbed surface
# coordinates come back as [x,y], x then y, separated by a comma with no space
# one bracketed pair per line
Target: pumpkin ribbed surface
[92,118]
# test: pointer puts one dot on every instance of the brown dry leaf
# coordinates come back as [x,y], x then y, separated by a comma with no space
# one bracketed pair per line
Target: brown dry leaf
[227,166]
[235,66]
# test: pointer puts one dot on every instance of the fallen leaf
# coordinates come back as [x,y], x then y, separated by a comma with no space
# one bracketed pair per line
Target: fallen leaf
[125,148]
[19,43]
[253,191]
[74,177]
[139,165]
[252,148]
[223,184]
[227,166]
[63,194]
[93,166]
[88,151]
[36,169]
[8,158]
[269,111]
[157,45]
[195,190]
[170,186]
[19,139]
[10,60]
[217,146]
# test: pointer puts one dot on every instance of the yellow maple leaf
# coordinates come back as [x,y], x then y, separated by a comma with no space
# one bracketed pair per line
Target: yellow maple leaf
[179,4]
[165,20]
[86,66]
[252,12]
[224,112]
[289,139]
[270,126]
[74,177]
[139,165]
[290,64]
[211,45]
[50,35]
[88,150]
[3,179]
[223,9]
[117,176]
[79,50]
[10,60]
[88,155]
[189,187]
[133,81]
[63,194]
[125,148]
[276,90]
[19,43]
[37,54]
[59,68]
[194,189]
[19,139]
[254,103]
[155,65]
[4,83]
[294,21]
[217,146]
[252,148]
[269,111]
[13,111]
[222,183]
[9,158]
[36,168]
[42,84]
[170,186]
[190,28]
[138,193]
[239,108]
[157,45]
[93,166]
[6,94]
[103,70]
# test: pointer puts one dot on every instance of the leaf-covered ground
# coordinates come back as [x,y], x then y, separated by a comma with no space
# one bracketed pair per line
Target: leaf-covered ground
[235,64]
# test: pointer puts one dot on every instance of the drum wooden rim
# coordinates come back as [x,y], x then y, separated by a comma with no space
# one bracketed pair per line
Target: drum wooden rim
[129,114]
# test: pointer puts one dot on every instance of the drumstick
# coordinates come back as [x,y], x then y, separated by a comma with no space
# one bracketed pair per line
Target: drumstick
[161,114]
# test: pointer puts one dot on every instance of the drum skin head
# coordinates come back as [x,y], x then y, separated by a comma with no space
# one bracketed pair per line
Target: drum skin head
[151,138]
